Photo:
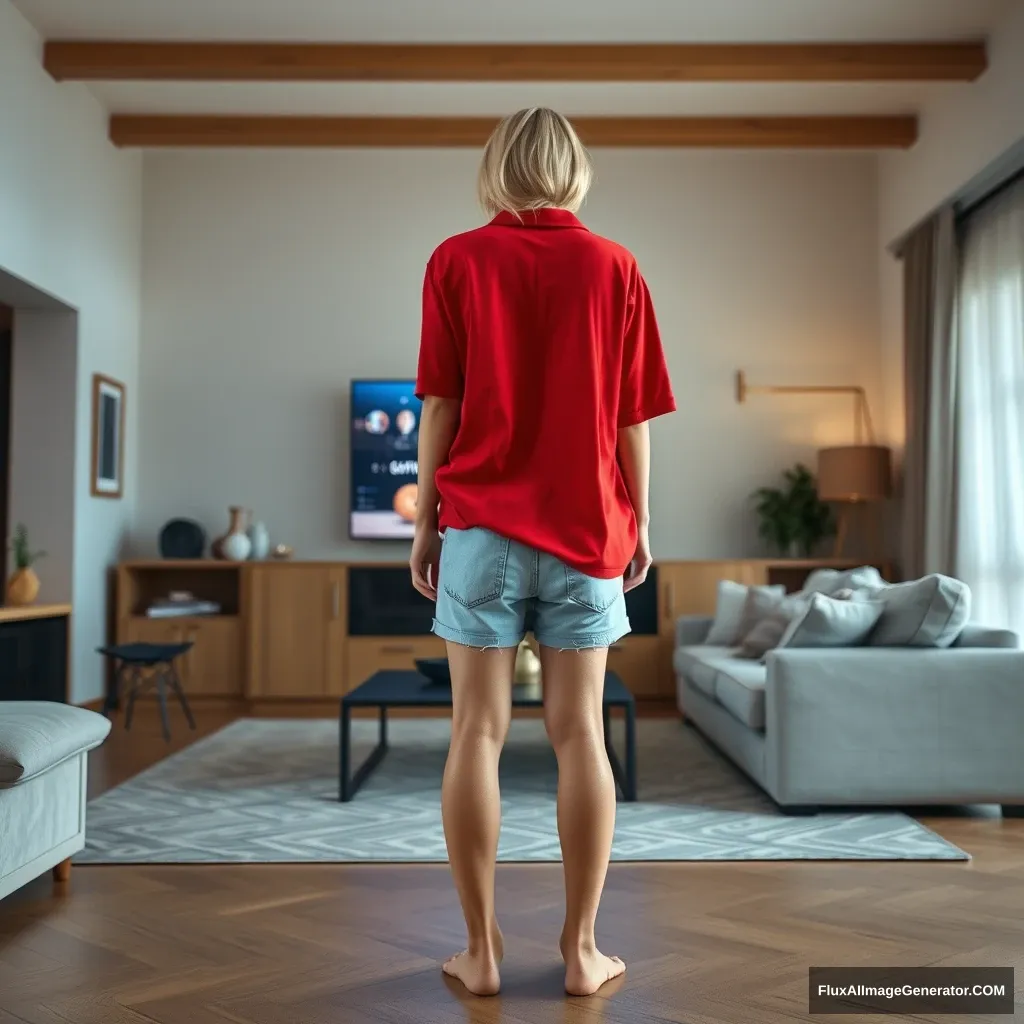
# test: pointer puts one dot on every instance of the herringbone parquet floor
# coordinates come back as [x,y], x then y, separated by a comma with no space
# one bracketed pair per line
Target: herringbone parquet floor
[705,943]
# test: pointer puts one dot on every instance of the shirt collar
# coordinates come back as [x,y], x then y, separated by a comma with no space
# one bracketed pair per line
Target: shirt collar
[547,217]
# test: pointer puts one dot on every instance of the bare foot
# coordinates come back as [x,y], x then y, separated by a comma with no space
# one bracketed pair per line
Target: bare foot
[587,969]
[478,970]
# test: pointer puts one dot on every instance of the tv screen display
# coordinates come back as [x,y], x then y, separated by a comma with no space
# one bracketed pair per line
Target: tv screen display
[385,428]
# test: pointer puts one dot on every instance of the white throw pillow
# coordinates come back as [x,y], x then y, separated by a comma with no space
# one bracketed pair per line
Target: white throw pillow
[728,628]
[826,622]
[828,581]
[929,612]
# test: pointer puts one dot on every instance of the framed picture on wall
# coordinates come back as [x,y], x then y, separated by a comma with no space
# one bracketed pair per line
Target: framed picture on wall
[108,397]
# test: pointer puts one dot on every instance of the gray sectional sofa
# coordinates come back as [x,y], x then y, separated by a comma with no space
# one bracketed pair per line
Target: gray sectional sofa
[856,692]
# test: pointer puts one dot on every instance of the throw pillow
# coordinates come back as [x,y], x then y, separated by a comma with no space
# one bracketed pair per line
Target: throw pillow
[929,612]
[729,612]
[828,581]
[770,625]
[826,622]
[765,636]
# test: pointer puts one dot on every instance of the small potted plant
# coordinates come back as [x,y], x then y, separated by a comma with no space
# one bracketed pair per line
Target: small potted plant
[792,518]
[23,586]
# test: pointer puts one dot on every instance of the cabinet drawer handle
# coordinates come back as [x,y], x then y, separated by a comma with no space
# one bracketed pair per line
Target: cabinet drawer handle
[397,649]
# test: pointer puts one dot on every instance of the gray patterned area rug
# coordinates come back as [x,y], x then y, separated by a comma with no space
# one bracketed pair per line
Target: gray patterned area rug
[264,791]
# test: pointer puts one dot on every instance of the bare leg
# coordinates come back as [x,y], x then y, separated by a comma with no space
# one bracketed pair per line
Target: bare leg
[62,872]
[573,687]
[471,803]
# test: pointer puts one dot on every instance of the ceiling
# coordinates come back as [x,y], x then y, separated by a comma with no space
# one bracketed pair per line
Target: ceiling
[545,21]
[730,21]
[481,98]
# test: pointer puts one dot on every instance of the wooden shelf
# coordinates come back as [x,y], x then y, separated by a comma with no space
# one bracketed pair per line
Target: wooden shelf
[185,620]
[182,563]
[34,611]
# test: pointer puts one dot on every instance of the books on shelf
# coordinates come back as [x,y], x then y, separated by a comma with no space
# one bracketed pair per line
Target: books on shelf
[167,608]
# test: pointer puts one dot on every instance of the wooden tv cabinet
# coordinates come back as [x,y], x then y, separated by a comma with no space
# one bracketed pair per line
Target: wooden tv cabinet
[295,631]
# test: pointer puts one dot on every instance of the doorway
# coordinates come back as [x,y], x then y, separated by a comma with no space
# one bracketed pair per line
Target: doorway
[6,339]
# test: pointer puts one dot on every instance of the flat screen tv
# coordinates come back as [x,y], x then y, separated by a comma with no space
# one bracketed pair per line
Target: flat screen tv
[385,421]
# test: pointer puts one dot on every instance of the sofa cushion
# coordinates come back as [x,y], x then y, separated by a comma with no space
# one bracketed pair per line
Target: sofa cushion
[740,689]
[929,612]
[36,735]
[828,622]
[733,612]
[700,665]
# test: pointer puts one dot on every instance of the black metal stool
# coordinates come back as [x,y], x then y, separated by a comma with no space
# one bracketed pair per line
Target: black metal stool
[140,665]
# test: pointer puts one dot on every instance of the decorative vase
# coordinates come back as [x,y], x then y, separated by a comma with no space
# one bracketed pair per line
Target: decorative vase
[23,588]
[259,540]
[235,545]
[182,538]
[527,668]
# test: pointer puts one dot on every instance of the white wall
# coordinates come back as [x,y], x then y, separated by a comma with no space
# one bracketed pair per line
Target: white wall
[961,134]
[44,385]
[70,209]
[272,278]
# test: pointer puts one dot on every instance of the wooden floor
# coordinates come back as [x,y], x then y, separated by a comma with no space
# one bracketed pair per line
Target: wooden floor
[346,945]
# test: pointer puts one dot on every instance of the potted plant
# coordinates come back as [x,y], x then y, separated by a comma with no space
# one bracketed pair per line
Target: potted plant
[23,586]
[793,519]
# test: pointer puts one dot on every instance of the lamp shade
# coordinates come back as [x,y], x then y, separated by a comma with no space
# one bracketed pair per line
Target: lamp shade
[854,473]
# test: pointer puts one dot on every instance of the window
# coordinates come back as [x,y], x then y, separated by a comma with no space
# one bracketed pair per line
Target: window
[990,531]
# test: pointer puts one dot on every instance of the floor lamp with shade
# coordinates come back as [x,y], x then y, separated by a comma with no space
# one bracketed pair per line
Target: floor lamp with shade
[850,476]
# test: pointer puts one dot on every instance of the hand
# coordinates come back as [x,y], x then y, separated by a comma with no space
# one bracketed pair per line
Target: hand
[636,573]
[425,560]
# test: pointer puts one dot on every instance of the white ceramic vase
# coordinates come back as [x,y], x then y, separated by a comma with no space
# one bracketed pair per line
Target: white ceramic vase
[259,540]
[236,547]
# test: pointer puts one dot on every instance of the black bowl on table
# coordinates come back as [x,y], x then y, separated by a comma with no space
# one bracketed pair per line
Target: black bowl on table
[435,669]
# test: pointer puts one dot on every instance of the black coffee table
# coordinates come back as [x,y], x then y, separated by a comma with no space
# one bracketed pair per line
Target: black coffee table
[393,689]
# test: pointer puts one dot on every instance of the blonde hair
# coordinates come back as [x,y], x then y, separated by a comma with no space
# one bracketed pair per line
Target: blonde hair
[534,159]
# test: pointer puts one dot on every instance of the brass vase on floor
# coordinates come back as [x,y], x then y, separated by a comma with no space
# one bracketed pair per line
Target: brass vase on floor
[527,668]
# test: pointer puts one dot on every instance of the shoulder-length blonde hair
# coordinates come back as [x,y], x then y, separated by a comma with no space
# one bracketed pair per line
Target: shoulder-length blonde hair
[534,159]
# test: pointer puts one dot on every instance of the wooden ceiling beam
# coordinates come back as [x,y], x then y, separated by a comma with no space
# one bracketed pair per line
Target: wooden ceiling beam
[478,62]
[131,130]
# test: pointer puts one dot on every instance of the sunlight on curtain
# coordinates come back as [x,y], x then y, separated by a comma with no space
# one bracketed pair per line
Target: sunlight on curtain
[990,528]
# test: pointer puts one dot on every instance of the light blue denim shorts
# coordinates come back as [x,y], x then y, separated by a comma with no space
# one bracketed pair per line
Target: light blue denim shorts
[491,589]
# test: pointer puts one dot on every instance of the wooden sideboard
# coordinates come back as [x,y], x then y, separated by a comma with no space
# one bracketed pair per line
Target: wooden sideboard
[34,652]
[308,631]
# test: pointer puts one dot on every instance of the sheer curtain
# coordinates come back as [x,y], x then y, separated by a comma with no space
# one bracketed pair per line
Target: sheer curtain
[990,526]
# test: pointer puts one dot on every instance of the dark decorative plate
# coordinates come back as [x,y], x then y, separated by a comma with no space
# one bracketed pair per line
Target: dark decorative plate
[435,669]
[182,538]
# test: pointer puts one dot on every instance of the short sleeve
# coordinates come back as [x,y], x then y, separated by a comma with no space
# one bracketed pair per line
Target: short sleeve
[646,391]
[439,372]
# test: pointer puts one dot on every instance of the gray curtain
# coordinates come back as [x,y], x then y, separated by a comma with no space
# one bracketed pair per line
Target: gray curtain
[930,344]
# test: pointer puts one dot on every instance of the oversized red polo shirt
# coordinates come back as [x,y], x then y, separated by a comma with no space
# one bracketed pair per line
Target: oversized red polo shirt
[546,333]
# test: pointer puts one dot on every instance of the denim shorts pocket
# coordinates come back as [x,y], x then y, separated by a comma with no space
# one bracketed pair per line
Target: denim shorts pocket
[473,566]
[590,592]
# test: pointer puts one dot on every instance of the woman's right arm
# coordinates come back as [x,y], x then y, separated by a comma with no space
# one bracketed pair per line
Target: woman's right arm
[646,392]
[634,450]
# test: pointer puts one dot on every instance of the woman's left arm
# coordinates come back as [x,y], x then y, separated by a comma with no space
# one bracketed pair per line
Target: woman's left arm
[439,422]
